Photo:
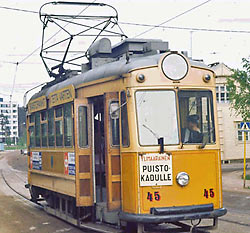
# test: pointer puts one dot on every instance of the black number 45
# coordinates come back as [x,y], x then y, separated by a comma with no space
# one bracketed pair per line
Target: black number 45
[209,193]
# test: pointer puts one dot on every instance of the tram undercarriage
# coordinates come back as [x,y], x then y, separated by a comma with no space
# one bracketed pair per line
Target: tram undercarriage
[97,218]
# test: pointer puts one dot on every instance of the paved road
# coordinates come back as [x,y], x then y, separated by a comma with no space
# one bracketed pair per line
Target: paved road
[20,216]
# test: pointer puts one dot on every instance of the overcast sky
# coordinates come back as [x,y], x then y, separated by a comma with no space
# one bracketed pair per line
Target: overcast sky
[21,34]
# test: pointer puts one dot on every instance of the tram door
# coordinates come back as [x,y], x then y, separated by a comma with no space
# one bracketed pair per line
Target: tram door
[112,150]
[99,150]
[83,152]
[107,151]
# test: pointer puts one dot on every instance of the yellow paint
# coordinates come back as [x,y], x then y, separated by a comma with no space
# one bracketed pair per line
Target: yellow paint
[51,181]
[37,104]
[129,179]
[203,169]
[62,96]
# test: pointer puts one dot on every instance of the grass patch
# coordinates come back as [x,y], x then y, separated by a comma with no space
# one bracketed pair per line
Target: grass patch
[14,147]
[248,177]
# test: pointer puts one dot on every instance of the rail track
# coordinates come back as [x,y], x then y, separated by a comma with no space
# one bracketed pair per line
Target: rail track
[43,206]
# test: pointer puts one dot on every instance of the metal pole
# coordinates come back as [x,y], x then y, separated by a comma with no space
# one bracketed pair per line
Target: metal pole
[245,151]
[191,44]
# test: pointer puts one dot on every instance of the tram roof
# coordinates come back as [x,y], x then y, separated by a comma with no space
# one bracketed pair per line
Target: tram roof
[112,69]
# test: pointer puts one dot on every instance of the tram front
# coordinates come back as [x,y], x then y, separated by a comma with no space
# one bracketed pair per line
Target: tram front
[170,152]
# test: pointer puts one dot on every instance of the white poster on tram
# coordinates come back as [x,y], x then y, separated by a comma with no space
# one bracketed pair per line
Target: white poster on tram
[155,169]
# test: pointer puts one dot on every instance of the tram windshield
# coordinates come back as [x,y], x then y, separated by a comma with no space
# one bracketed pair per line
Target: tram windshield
[196,117]
[157,117]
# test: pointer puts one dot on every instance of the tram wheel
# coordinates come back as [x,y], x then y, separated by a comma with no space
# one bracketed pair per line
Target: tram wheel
[133,227]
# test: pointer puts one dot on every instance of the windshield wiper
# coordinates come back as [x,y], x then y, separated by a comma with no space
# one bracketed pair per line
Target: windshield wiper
[160,140]
[151,131]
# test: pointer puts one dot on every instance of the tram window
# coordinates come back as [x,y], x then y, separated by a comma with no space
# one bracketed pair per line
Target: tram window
[59,112]
[68,124]
[115,126]
[43,116]
[32,118]
[157,120]
[124,120]
[44,134]
[51,135]
[37,129]
[32,136]
[83,126]
[197,117]
[59,132]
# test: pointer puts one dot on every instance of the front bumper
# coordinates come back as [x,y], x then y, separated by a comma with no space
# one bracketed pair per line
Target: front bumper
[174,214]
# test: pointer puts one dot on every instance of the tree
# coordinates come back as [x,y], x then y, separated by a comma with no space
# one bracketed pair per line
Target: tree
[239,90]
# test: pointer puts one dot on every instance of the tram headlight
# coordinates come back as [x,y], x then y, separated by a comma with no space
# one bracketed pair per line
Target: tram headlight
[182,178]
[174,66]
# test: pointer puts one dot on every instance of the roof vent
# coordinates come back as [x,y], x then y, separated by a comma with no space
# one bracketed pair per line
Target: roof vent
[100,48]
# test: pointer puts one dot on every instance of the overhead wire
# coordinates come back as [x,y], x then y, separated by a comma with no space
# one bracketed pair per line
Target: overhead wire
[185,28]
[29,55]
[18,9]
[175,17]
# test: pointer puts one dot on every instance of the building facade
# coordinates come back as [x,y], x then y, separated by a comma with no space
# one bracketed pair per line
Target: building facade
[231,137]
[8,121]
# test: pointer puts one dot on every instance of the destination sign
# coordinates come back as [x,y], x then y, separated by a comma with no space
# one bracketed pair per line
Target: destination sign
[155,170]
[62,96]
[37,104]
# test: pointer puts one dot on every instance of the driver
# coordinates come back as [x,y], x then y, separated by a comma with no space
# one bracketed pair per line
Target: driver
[192,133]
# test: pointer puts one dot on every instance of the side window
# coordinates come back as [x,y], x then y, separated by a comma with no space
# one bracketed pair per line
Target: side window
[37,129]
[32,136]
[83,126]
[44,129]
[51,135]
[114,122]
[59,126]
[124,120]
[68,124]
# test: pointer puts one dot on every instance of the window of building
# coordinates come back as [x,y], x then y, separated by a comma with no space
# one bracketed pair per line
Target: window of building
[240,134]
[222,94]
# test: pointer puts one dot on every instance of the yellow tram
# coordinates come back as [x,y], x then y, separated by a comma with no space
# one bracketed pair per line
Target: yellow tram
[131,142]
